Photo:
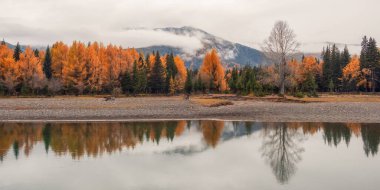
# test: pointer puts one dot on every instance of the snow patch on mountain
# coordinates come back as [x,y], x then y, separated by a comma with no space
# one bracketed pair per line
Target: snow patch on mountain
[200,42]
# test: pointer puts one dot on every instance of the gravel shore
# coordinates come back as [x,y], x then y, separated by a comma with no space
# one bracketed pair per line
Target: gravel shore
[154,108]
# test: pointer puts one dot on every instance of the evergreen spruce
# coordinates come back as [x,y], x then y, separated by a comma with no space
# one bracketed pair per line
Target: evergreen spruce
[17,52]
[326,69]
[47,64]
[134,80]
[189,82]
[126,83]
[157,78]
[36,53]
[336,70]
[142,75]
[373,61]
[310,86]
[171,70]
[331,86]
[345,57]
[363,53]
[370,59]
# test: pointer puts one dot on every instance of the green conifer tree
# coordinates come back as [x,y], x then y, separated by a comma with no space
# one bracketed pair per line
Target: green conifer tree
[189,82]
[135,78]
[157,78]
[17,52]
[47,64]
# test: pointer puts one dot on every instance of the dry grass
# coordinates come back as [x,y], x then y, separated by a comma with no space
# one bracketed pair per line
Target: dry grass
[339,98]
[211,102]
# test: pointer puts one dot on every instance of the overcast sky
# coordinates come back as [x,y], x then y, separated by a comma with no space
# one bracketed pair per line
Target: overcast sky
[42,22]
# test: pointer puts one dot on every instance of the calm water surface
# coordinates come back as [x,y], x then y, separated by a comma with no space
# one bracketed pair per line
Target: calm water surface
[189,155]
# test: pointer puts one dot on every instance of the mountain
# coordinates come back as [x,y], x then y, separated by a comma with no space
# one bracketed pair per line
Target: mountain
[23,47]
[231,53]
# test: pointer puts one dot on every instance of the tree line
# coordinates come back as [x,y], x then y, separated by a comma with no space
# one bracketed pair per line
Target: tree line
[88,69]
[97,69]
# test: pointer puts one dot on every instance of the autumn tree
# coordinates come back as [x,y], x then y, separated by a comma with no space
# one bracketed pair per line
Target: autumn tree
[74,71]
[31,74]
[181,75]
[59,53]
[112,68]
[94,52]
[279,47]
[9,71]
[351,74]
[212,72]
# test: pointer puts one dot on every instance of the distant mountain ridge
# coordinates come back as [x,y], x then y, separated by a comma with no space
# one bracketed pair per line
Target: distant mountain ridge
[231,53]
[23,47]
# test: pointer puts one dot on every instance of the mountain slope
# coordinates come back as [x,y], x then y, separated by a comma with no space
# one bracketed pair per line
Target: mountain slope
[231,53]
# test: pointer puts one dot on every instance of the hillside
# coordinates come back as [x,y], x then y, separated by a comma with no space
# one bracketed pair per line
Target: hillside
[231,53]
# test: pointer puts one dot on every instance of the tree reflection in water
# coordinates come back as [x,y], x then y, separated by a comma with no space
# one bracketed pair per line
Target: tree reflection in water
[281,150]
[281,146]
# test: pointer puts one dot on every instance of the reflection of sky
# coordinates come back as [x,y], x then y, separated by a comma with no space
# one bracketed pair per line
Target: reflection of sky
[191,140]
[236,163]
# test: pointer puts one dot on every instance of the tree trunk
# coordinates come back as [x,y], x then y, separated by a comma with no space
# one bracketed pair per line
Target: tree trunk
[282,77]
[373,80]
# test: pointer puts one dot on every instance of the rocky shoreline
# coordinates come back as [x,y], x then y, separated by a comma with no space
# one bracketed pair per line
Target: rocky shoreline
[166,108]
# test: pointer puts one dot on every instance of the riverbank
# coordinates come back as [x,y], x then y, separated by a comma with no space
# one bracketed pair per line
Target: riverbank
[156,108]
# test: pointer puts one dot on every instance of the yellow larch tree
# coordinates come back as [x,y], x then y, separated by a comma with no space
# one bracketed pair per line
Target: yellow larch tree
[74,71]
[9,70]
[212,72]
[30,68]
[59,52]
[180,78]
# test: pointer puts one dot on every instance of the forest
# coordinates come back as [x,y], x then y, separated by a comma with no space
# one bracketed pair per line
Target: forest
[93,68]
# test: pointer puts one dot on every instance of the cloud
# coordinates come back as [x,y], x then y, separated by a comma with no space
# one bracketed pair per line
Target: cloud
[149,37]
[136,38]
[39,22]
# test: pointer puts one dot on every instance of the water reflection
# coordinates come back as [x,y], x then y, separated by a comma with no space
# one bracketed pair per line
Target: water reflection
[94,139]
[282,143]
[281,149]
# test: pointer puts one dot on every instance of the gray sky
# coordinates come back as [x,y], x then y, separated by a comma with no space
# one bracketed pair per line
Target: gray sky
[42,22]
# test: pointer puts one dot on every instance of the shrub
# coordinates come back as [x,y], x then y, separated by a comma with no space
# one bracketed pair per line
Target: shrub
[299,94]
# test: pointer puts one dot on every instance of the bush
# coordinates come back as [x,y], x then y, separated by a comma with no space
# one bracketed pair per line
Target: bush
[312,94]
[25,90]
[299,94]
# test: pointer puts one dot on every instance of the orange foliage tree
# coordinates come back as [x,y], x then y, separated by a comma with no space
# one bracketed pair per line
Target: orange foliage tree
[30,68]
[74,70]
[180,78]
[212,72]
[9,71]
[351,73]
[59,52]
